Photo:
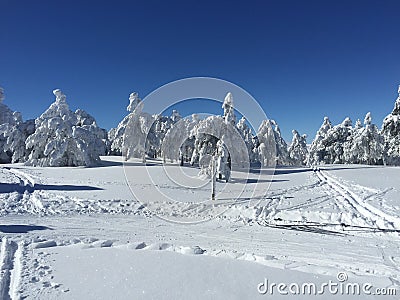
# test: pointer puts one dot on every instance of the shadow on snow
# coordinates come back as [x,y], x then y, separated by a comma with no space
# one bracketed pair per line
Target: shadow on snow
[15,187]
[21,228]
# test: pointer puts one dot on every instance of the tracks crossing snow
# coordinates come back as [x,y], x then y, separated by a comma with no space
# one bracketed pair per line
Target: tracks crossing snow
[25,179]
[351,200]
[10,269]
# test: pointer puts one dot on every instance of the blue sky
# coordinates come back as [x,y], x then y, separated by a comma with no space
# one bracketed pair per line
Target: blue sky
[301,60]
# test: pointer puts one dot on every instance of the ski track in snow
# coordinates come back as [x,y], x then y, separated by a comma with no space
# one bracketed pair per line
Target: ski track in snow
[25,179]
[8,269]
[369,213]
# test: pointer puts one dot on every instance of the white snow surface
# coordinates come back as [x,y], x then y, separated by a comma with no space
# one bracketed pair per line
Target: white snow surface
[125,230]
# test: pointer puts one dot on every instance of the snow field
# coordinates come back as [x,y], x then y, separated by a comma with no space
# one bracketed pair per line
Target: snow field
[297,225]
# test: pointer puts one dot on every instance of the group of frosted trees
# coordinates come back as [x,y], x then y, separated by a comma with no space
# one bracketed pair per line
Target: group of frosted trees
[361,144]
[61,137]
[58,137]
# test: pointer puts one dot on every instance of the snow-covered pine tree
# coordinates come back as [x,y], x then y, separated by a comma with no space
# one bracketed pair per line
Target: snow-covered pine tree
[249,139]
[59,140]
[317,150]
[116,135]
[298,151]
[13,133]
[208,132]
[267,152]
[179,141]
[365,145]
[88,122]
[229,110]
[391,132]
[158,130]
[136,133]
[334,141]
[282,154]
[269,135]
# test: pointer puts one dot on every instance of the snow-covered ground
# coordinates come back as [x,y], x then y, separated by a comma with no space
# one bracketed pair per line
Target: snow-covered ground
[80,233]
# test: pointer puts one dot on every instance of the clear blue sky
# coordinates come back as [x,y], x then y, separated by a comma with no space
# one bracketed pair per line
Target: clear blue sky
[301,60]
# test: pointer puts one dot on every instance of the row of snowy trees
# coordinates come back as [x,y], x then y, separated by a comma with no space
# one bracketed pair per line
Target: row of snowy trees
[61,137]
[345,144]
[176,138]
[58,137]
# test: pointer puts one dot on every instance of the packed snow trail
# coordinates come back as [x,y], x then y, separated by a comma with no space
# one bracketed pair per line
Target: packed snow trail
[7,264]
[15,279]
[24,178]
[368,212]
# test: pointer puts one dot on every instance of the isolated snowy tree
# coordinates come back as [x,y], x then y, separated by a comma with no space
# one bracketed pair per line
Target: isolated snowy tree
[365,145]
[317,150]
[59,140]
[391,132]
[298,151]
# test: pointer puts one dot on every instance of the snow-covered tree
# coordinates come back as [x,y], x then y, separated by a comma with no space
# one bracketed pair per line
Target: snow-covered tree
[282,154]
[86,121]
[298,151]
[391,132]
[136,133]
[178,142]
[12,140]
[206,134]
[13,133]
[209,131]
[334,141]
[317,149]
[116,135]
[175,116]
[358,124]
[249,139]
[158,127]
[223,160]
[272,148]
[7,116]
[229,110]
[267,145]
[161,125]
[365,145]
[61,140]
